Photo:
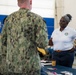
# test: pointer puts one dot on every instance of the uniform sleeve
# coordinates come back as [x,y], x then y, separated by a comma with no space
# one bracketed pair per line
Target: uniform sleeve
[41,34]
[3,49]
[75,34]
[52,34]
[4,39]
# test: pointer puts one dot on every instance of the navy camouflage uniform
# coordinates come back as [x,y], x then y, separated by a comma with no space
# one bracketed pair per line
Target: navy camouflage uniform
[22,33]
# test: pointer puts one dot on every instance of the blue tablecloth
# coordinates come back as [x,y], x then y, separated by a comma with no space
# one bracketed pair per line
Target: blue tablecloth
[58,69]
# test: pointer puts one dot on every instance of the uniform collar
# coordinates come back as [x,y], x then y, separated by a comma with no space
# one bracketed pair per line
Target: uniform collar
[24,9]
[64,28]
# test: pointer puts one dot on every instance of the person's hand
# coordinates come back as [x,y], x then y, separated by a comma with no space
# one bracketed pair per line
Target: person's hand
[49,49]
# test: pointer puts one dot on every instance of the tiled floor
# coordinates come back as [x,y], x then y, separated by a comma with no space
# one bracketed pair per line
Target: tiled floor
[74,64]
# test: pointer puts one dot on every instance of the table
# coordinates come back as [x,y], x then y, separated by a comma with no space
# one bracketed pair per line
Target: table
[58,69]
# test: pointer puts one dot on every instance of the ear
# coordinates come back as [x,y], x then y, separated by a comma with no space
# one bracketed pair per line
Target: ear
[30,2]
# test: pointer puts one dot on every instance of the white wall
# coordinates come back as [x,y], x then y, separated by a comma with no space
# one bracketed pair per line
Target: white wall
[63,7]
[7,7]
[59,8]
[70,7]
[45,8]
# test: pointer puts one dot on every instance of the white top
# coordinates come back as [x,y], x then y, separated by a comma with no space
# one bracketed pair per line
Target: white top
[63,40]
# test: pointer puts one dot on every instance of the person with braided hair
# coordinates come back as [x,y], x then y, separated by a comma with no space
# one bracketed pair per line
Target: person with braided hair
[62,40]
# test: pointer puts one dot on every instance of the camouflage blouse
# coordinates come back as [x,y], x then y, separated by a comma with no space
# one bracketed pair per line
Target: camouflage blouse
[23,31]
